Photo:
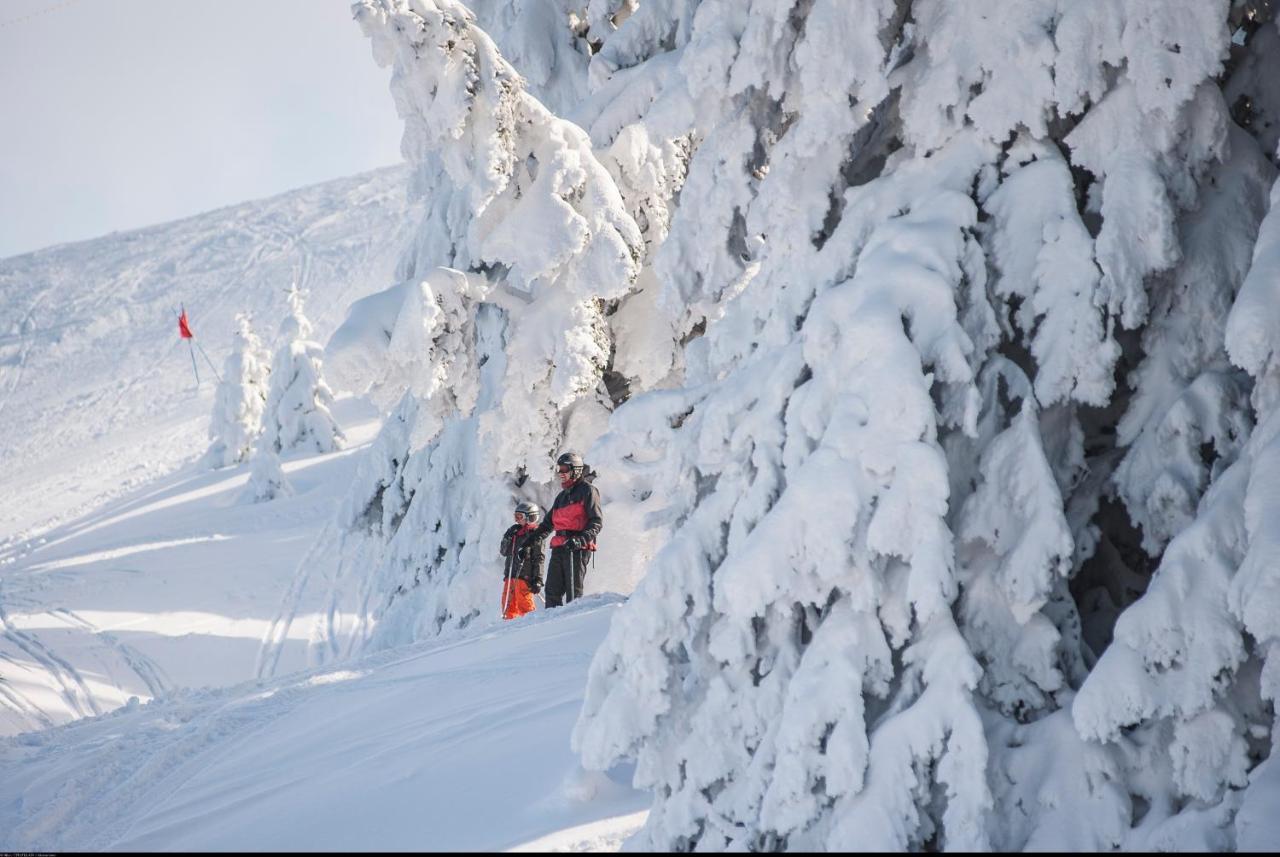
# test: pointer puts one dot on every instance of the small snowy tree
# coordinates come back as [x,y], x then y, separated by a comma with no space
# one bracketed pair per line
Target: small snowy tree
[240,400]
[266,478]
[297,413]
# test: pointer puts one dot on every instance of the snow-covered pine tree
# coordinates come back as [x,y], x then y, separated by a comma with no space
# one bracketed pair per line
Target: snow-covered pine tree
[497,338]
[266,477]
[546,41]
[1188,689]
[297,412]
[1075,184]
[240,400]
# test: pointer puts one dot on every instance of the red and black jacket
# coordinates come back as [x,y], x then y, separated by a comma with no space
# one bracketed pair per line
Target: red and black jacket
[530,568]
[576,512]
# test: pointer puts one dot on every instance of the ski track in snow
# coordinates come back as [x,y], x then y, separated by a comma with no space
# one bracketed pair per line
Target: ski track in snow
[102,422]
[202,570]
[73,688]
[151,673]
[24,342]
[596,836]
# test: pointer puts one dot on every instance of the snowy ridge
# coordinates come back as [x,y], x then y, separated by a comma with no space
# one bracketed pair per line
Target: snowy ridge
[91,367]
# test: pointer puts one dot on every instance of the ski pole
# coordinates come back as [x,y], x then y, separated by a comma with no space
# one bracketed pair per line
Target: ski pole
[506,579]
[573,574]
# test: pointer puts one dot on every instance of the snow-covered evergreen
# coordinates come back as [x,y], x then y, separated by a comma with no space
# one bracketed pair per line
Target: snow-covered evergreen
[241,398]
[495,343]
[297,412]
[724,642]
[266,477]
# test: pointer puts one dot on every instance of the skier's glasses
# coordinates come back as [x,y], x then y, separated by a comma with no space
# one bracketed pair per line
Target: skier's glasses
[563,470]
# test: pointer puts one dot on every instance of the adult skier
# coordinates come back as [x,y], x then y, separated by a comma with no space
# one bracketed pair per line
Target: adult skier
[576,519]
[522,572]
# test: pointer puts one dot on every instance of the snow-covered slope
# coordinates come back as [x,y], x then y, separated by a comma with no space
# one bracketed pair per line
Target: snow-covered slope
[173,585]
[460,743]
[97,394]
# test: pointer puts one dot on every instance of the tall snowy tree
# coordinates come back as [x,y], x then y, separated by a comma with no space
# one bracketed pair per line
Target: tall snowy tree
[996,206]
[499,338]
[240,400]
[297,412]
[1189,687]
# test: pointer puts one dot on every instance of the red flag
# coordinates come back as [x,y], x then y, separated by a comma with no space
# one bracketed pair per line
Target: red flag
[183,329]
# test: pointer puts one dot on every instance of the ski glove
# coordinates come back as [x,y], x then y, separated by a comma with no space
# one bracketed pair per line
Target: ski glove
[576,543]
[522,552]
[535,586]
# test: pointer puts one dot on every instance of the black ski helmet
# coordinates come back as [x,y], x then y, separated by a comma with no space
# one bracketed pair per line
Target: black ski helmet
[530,511]
[573,461]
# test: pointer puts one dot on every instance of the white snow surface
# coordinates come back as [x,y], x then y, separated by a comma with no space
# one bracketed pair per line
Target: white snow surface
[456,744]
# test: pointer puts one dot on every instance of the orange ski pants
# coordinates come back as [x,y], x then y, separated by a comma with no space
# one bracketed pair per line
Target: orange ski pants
[517,600]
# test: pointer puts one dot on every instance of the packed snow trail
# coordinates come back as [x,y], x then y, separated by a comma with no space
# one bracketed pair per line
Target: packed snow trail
[458,743]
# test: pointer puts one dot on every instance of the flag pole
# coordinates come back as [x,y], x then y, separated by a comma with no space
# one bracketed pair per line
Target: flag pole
[213,368]
[184,330]
[194,368]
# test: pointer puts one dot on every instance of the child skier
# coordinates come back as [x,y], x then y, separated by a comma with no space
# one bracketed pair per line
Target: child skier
[522,571]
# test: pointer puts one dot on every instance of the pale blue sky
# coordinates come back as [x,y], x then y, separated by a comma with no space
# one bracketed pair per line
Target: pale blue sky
[116,114]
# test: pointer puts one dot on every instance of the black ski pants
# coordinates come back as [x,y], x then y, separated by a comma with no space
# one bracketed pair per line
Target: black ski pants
[565,575]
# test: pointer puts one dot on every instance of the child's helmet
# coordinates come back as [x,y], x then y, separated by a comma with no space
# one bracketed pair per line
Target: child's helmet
[530,511]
